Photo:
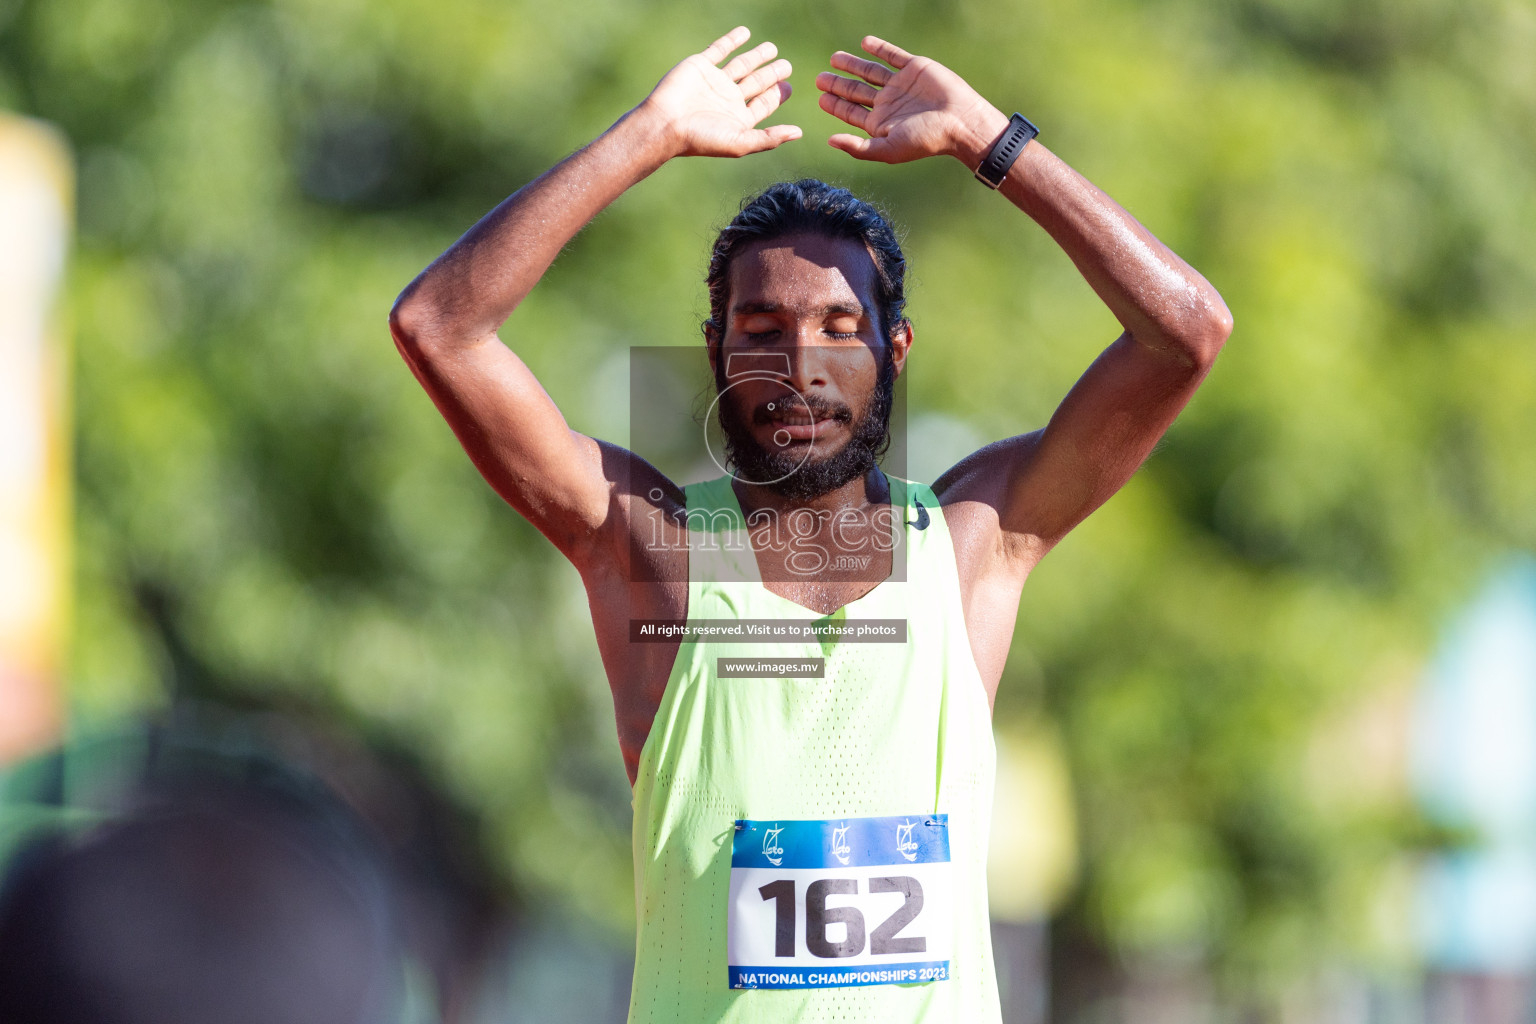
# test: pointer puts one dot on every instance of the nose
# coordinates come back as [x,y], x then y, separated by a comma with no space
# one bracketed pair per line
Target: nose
[807,363]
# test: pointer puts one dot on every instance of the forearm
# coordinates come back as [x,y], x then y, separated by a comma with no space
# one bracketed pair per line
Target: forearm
[1160,300]
[471,289]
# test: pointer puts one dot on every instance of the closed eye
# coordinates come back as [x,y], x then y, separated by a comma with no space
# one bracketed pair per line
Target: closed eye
[842,324]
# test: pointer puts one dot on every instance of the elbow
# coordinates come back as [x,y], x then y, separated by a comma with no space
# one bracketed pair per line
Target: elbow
[410,324]
[1204,339]
[1218,331]
[425,328]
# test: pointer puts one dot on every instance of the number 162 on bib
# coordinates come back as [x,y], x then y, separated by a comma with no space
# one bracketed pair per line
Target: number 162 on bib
[842,901]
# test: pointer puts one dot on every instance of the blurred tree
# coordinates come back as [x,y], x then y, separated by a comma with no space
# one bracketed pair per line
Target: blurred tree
[268,505]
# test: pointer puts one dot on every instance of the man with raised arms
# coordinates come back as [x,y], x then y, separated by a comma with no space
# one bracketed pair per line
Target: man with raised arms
[809,845]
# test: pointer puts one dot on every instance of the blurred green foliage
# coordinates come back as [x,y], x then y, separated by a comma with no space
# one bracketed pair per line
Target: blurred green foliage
[271,508]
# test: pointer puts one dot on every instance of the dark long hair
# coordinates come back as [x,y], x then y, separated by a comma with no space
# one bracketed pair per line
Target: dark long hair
[809,206]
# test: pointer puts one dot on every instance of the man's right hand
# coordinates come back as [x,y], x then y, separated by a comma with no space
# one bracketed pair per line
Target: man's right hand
[703,109]
[580,495]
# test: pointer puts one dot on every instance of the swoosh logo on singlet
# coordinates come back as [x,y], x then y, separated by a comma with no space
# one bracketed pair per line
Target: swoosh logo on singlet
[921,523]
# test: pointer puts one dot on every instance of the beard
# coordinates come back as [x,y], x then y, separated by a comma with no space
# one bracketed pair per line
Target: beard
[799,479]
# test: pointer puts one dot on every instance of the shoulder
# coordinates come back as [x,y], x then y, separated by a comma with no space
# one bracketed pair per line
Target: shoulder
[631,476]
[973,494]
[645,507]
[984,474]
[638,489]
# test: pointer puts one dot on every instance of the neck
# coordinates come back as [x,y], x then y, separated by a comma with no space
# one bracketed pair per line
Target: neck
[870,489]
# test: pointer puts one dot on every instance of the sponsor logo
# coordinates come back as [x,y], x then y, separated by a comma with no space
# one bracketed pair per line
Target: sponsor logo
[840,847]
[921,522]
[771,848]
[905,844]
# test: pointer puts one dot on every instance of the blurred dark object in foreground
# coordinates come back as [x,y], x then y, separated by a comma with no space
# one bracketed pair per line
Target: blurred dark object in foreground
[220,905]
[256,872]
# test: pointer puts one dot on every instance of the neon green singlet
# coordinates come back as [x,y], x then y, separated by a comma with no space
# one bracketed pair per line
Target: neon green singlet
[892,729]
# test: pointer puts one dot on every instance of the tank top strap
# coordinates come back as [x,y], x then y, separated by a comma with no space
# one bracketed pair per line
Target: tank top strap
[719,549]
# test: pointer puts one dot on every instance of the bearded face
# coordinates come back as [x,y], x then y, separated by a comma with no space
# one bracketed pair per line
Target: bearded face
[783,463]
[812,410]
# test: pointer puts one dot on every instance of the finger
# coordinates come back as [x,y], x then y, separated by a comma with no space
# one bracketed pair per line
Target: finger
[847,88]
[861,148]
[763,78]
[845,110]
[768,102]
[874,74]
[743,63]
[716,51]
[771,138]
[892,54]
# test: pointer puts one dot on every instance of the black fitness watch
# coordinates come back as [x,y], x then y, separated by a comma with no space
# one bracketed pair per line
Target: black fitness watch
[1005,151]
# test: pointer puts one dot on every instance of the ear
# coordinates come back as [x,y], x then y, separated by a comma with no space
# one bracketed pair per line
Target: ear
[901,343]
[712,346]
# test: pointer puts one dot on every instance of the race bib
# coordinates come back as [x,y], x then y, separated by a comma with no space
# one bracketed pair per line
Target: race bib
[847,901]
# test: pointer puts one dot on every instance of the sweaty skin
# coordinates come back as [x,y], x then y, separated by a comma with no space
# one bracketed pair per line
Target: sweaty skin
[812,298]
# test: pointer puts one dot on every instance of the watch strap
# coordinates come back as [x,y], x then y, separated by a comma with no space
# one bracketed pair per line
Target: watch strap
[1005,151]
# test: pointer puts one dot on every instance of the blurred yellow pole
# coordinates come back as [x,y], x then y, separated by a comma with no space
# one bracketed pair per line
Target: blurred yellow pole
[36,192]
[1032,862]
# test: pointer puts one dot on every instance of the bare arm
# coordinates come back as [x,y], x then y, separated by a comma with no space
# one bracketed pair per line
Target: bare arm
[1175,322]
[445,323]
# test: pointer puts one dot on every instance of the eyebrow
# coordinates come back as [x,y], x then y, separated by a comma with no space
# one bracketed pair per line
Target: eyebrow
[748,308]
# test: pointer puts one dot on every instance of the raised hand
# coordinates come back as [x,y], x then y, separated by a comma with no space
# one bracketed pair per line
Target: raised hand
[921,108]
[709,110]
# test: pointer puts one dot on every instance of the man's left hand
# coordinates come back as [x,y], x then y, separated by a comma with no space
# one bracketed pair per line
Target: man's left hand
[921,108]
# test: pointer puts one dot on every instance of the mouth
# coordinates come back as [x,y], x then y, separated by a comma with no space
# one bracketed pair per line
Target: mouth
[799,424]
